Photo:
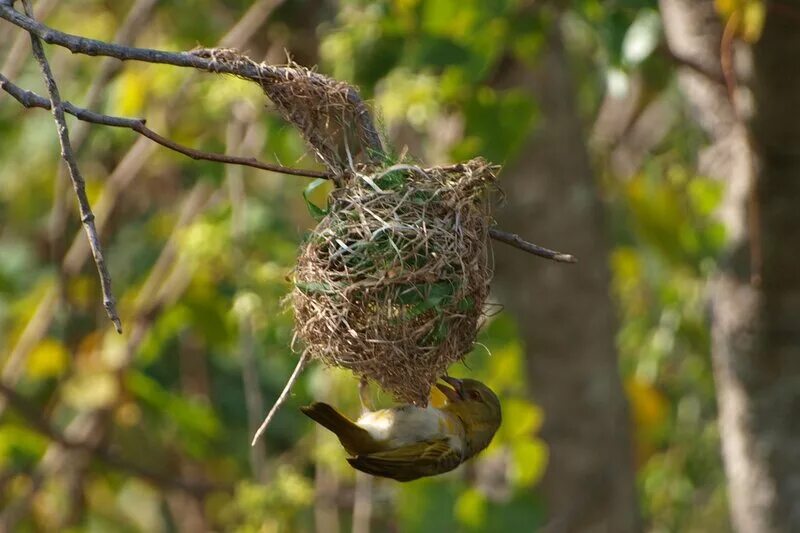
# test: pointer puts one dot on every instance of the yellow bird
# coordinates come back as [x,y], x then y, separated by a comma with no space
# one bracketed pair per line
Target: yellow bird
[410,442]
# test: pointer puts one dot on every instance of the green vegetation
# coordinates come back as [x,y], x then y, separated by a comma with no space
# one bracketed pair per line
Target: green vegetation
[201,256]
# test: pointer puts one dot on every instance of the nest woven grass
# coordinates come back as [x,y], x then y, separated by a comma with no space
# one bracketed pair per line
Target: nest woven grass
[391,283]
[329,114]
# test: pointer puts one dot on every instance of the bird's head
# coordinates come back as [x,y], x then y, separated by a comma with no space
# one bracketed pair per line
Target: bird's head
[478,408]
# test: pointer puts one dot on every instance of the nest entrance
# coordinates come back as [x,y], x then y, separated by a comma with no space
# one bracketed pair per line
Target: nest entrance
[391,283]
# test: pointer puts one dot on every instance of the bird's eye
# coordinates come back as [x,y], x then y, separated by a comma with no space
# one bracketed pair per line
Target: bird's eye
[475,395]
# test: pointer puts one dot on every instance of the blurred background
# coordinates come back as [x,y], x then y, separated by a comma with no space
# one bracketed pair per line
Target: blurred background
[605,115]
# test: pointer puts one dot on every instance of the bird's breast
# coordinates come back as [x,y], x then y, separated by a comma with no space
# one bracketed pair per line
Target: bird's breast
[405,425]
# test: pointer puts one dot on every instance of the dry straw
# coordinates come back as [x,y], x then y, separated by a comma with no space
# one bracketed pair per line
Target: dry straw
[328,113]
[391,283]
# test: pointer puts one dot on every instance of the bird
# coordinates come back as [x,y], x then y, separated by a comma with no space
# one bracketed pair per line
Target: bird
[408,442]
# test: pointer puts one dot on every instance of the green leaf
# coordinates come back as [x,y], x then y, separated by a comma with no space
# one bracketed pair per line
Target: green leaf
[312,287]
[316,212]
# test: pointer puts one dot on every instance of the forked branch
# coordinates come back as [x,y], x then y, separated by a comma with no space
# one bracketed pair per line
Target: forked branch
[78,183]
[30,100]
[259,73]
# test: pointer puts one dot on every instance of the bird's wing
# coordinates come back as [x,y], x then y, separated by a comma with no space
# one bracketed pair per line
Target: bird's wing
[410,462]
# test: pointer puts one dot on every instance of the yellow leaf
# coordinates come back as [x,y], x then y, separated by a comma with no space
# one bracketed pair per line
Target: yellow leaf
[649,410]
[470,508]
[49,359]
[131,93]
[726,7]
[91,390]
[505,367]
[80,289]
[529,462]
[753,16]
[648,405]
[141,504]
[114,351]
[521,419]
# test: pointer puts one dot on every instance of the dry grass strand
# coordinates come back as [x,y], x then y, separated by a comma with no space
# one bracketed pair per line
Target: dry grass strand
[391,283]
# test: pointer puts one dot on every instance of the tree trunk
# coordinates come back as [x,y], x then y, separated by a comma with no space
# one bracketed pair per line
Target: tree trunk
[565,312]
[756,294]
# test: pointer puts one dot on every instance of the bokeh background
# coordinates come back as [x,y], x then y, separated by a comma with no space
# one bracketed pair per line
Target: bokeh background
[603,367]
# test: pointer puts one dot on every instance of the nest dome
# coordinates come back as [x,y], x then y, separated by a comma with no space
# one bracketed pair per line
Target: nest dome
[391,283]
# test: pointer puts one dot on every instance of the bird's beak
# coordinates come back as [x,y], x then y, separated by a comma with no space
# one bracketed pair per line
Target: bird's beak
[453,393]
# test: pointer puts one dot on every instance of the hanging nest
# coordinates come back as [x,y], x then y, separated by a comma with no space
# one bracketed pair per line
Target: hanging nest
[329,114]
[392,282]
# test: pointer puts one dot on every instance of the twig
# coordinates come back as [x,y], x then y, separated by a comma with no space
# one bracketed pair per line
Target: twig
[18,51]
[87,217]
[135,22]
[252,71]
[92,47]
[30,99]
[82,45]
[518,242]
[124,173]
[282,398]
[35,421]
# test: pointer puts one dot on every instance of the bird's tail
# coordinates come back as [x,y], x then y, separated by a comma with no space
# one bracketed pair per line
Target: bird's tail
[355,439]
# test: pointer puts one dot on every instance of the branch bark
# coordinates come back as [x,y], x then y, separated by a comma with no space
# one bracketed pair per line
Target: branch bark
[30,100]
[259,73]
[120,178]
[756,293]
[78,183]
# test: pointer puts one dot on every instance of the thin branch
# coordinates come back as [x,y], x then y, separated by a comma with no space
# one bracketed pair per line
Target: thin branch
[518,242]
[125,171]
[193,59]
[92,47]
[34,420]
[82,45]
[135,22]
[87,217]
[282,398]
[252,71]
[30,99]
[18,51]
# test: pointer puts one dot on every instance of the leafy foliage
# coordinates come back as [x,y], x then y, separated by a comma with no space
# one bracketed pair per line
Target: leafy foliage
[200,256]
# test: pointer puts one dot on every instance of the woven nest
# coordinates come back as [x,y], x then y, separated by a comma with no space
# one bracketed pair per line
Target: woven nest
[329,114]
[391,283]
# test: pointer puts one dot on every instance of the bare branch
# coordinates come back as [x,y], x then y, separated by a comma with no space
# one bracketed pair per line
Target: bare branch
[126,170]
[87,217]
[282,398]
[30,99]
[18,51]
[249,70]
[135,22]
[518,242]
